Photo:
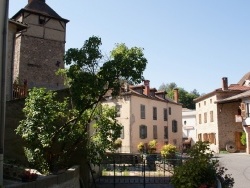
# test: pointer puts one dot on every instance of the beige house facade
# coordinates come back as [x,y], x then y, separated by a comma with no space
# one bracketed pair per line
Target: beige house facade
[216,118]
[146,114]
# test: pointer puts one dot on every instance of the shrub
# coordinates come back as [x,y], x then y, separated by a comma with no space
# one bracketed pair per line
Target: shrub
[243,139]
[118,144]
[152,146]
[168,150]
[200,170]
[140,147]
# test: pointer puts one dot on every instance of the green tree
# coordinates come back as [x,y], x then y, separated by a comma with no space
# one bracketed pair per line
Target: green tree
[185,98]
[80,125]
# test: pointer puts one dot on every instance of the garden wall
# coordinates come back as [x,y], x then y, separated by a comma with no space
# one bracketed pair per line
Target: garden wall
[68,179]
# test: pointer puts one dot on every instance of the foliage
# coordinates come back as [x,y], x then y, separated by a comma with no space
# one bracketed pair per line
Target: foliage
[55,128]
[52,138]
[186,98]
[140,147]
[243,138]
[200,169]
[168,150]
[118,144]
[152,146]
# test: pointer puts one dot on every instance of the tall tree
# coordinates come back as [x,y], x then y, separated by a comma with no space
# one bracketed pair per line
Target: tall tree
[67,124]
[186,98]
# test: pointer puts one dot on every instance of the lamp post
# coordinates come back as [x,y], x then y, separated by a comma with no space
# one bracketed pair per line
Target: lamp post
[4,9]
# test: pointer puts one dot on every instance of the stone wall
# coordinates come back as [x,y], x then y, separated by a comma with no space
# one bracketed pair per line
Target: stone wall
[68,179]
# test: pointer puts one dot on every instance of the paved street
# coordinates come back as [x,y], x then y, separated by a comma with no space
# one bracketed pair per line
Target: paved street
[238,164]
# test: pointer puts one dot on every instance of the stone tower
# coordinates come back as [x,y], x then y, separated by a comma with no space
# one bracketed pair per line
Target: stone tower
[39,49]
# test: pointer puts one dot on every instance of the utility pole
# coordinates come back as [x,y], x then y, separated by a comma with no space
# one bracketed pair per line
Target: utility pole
[4,13]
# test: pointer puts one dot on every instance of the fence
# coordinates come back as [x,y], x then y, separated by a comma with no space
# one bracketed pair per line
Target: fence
[140,170]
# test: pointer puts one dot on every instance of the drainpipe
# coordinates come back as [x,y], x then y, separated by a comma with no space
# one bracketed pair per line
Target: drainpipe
[4,6]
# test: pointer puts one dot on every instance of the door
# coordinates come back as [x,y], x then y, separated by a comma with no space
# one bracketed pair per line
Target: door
[239,145]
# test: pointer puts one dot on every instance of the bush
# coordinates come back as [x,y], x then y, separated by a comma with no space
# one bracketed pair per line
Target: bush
[243,139]
[152,146]
[168,151]
[140,147]
[200,170]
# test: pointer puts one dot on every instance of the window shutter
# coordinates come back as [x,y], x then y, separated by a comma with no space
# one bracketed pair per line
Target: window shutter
[122,133]
[243,110]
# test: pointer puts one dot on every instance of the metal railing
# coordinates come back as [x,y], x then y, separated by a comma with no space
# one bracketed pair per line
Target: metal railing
[142,170]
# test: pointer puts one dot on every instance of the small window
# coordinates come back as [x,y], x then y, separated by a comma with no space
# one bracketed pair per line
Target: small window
[211,101]
[199,105]
[211,116]
[204,103]
[165,132]
[42,20]
[118,110]
[174,126]
[142,111]
[143,131]
[165,114]
[122,133]
[155,131]
[154,113]
[199,137]
[199,118]
[169,110]
[205,117]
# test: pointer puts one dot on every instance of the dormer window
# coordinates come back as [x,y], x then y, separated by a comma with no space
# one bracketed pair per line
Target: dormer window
[42,20]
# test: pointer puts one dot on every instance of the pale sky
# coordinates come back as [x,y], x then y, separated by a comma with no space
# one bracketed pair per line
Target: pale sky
[193,43]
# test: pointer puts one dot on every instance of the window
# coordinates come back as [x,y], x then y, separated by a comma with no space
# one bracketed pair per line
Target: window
[122,133]
[205,137]
[143,131]
[165,114]
[205,117]
[211,138]
[204,103]
[155,131]
[154,113]
[199,118]
[174,126]
[169,110]
[211,116]
[199,105]
[199,137]
[165,132]
[142,111]
[41,20]
[211,101]
[118,110]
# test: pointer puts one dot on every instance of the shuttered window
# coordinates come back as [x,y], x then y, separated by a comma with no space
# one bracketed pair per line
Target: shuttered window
[165,132]
[165,113]
[155,131]
[174,126]
[143,111]
[143,131]
[122,133]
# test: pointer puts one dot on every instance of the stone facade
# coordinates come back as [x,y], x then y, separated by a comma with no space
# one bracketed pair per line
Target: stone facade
[36,52]
[216,119]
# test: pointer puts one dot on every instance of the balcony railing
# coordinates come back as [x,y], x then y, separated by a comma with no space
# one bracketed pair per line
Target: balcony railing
[20,91]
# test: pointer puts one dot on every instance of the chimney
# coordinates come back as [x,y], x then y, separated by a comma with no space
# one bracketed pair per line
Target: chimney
[29,1]
[224,84]
[176,95]
[147,88]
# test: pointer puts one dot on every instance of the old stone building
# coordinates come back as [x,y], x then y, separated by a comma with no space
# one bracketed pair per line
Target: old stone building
[216,118]
[39,49]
